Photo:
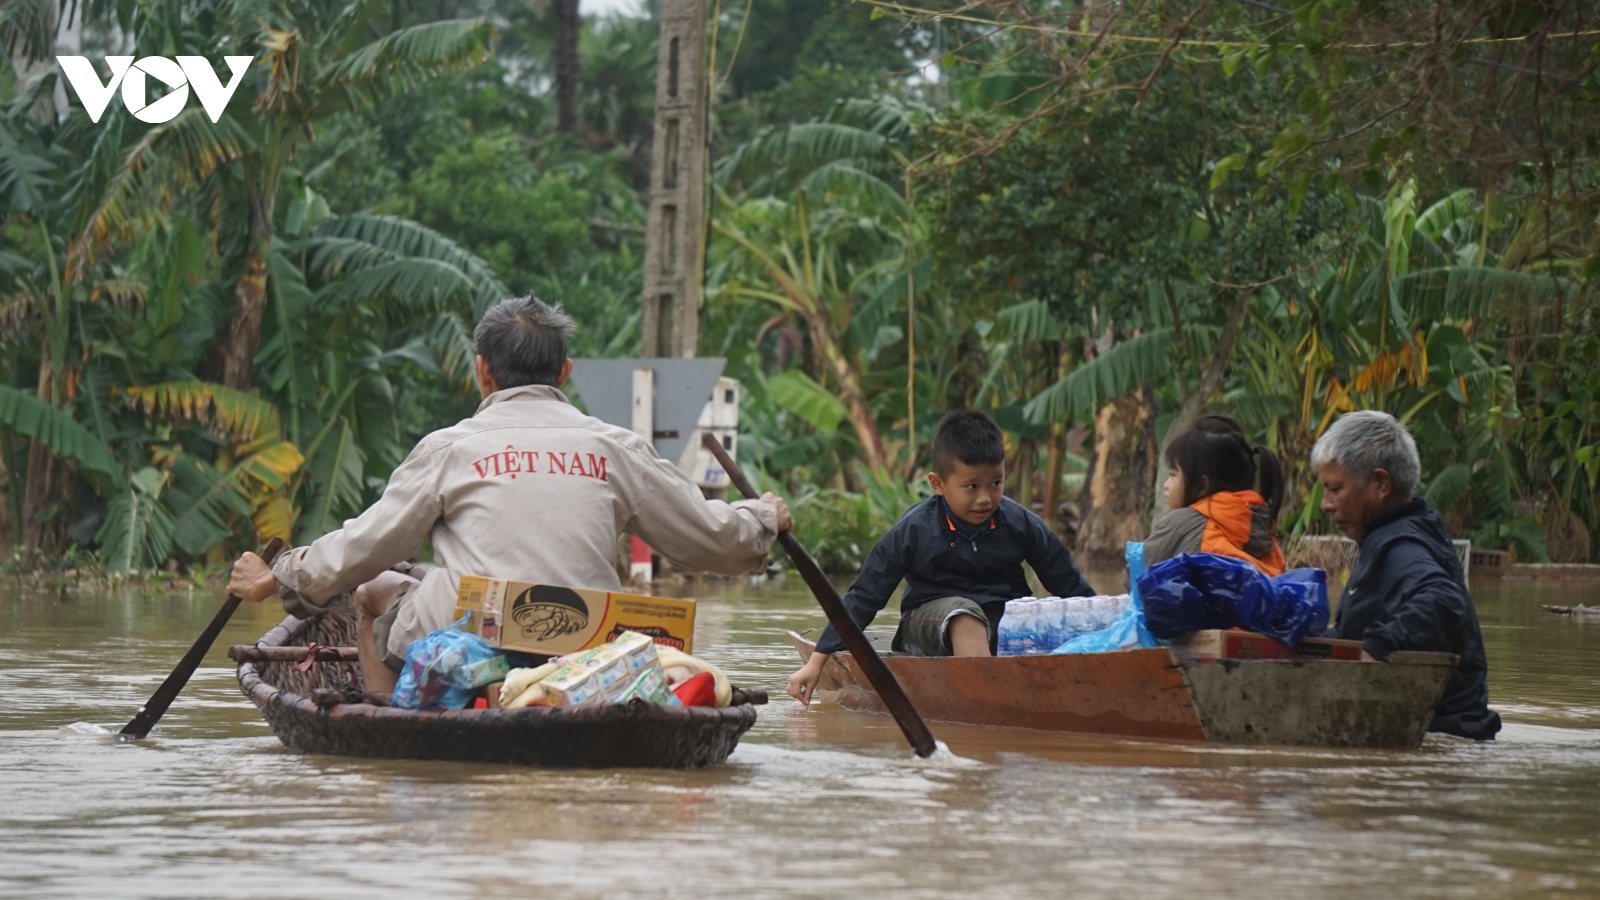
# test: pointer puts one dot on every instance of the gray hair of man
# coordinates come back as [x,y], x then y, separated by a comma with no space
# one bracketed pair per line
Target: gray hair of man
[1367,439]
[524,341]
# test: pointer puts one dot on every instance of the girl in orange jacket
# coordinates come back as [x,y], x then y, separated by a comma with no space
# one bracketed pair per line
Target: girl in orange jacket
[1212,493]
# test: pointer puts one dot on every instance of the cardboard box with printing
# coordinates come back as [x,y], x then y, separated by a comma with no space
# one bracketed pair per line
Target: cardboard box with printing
[554,621]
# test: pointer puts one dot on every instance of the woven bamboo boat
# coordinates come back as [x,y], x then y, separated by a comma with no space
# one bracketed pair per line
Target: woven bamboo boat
[308,712]
[1153,693]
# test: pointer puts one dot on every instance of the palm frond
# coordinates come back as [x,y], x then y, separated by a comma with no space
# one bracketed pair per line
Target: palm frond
[1436,220]
[274,518]
[422,284]
[27,29]
[1449,486]
[852,187]
[404,238]
[884,115]
[451,340]
[1127,366]
[398,61]
[780,157]
[137,532]
[795,391]
[111,191]
[24,184]
[331,257]
[1479,292]
[337,473]
[1031,320]
[1259,410]
[27,415]
[271,464]
[205,502]
[239,416]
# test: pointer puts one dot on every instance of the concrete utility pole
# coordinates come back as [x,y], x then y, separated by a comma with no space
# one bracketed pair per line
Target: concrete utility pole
[569,25]
[674,254]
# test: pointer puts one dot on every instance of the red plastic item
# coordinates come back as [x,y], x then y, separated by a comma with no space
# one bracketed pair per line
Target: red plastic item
[701,690]
[480,703]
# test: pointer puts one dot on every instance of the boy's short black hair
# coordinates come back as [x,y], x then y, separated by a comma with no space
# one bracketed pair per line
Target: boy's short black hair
[967,436]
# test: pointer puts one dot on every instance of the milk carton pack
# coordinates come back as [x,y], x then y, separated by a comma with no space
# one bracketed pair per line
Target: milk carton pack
[608,666]
[572,685]
[639,649]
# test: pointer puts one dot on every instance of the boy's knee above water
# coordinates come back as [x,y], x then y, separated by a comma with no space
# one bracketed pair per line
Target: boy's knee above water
[969,637]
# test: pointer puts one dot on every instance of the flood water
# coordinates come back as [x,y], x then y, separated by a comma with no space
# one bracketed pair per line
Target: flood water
[813,801]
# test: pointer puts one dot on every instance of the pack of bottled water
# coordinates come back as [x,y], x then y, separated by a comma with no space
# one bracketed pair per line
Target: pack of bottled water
[1034,626]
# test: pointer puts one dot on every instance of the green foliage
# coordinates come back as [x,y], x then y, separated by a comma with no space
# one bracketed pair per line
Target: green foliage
[337,471]
[793,390]
[138,531]
[840,528]
[29,416]
[786,41]
[524,224]
[1131,364]
[1053,223]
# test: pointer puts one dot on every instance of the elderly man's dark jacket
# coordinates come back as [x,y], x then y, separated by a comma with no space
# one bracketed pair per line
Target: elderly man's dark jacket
[1407,593]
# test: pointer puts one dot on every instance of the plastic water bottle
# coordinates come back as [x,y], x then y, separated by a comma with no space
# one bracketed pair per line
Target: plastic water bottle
[1006,634]
[1074,615]
[1113,608]
[1119,603]
[1104,612]
[1035,627]
[1024,635]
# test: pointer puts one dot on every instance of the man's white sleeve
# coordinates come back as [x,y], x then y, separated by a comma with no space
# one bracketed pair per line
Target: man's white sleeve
[672,516]
[390,531]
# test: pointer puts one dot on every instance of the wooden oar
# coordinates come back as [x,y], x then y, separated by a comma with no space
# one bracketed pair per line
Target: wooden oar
[157,705]
[878,674]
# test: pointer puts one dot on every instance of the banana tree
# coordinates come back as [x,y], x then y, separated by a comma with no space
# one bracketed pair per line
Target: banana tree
[40,305]
[825,235]
[360,301]
[810,266]
[315,59]
[249,478]
[1420,316]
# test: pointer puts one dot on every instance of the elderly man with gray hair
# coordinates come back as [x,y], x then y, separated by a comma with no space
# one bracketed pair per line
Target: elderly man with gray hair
[1406,591]
[528,487]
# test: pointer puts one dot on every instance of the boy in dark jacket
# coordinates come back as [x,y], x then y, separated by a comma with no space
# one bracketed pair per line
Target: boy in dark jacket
[960,554]
[1406,591]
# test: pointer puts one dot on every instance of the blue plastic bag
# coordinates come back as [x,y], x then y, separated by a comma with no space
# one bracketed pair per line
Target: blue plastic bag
[1196,591]
[1128,629]
[444,669]
[1301,609]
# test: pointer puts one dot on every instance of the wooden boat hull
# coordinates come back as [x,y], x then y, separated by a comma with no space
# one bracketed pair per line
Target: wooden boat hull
[1150,693]
[635,734]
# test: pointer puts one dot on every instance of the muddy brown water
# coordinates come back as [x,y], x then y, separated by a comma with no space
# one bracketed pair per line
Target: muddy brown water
[814,801]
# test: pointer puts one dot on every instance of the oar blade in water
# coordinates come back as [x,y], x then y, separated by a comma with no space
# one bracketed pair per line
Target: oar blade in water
[139,726]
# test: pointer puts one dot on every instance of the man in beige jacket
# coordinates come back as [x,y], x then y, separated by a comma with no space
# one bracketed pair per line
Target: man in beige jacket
[528,488]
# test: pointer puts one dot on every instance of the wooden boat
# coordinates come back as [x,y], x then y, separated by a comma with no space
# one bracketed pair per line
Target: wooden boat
[1153,693]
[308,712]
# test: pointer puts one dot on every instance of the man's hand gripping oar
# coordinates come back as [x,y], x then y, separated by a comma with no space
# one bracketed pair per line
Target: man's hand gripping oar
[156,706]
